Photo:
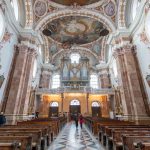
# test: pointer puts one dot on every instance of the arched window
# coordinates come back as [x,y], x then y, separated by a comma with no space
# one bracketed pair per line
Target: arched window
[34,68]
[2,27]
[95,104]
[75,57]
[115,68]
[40,50]
[15,7]
[75,102]
[94,81]
[54,104]
[135,7]
[56,81]
[147,25]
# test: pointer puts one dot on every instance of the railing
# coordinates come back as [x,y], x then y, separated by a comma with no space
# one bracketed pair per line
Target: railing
[69,89]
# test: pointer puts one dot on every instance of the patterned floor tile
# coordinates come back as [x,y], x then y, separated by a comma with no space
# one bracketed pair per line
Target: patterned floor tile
[71,138]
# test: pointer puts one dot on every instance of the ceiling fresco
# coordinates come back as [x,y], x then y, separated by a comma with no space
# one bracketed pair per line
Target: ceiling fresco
[71,2]
[75,30]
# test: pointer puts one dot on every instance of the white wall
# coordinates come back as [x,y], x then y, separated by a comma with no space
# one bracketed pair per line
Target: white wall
[6,59]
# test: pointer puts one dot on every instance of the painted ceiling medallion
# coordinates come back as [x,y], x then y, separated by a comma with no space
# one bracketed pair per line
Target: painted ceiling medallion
[40,8]
[71,2]
[75,30]
[110,9]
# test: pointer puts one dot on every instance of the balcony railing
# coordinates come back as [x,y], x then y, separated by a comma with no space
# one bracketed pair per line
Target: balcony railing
[69,89]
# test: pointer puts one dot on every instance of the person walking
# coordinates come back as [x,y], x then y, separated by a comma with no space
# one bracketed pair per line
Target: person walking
[76,120]
[81,120]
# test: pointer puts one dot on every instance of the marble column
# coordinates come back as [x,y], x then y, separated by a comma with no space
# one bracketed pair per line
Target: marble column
[16,85]
[45,79]
[25,95]
[131,95]
[134,84]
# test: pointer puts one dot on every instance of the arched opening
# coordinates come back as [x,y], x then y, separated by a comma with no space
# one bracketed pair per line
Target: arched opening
[53,110]
[34,68]
[75,107]
[15,7]
[96,109]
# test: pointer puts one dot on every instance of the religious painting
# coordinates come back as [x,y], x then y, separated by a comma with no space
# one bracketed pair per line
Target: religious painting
[78,2]
[110,9]
[75,30]
[40,8]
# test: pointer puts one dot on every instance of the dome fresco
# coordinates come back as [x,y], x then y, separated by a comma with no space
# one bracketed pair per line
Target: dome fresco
[75,30]
[71,2]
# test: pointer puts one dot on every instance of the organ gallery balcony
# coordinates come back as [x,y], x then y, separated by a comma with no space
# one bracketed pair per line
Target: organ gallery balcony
[69,89]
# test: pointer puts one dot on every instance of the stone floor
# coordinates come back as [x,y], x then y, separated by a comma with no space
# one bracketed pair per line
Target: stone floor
[71,138]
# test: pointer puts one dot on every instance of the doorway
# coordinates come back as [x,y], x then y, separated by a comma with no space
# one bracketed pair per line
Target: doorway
[96,109]
[53,109]
[75,107]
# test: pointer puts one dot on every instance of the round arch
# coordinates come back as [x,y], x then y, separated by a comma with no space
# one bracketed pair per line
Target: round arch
[96,109]
[54,109]
[81,12]
[75,50]
[75,102]
[54,104]
[95,104]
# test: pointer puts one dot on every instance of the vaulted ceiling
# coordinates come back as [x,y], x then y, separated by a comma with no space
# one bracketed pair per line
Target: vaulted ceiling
[66,24]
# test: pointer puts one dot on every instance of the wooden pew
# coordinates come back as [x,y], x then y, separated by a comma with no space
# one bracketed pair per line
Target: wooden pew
[36,136]
[39,134]
[38,124]
[25,142]
[9,145]
[143,146]
[117,140]
[130,141]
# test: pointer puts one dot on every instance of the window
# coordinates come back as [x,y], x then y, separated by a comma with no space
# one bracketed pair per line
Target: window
[95,104]
[15,7]
[115,68]
[40,50]
[2,28]
[34,68]
[94,81]
[147,25]
[75,102]
[56,81]
[54,104]
[135,6]
[75,58]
